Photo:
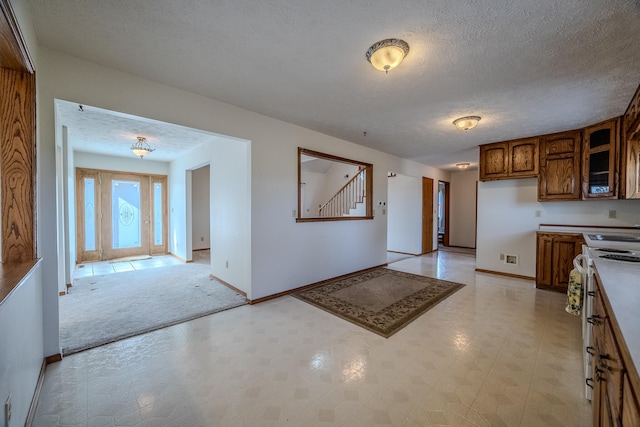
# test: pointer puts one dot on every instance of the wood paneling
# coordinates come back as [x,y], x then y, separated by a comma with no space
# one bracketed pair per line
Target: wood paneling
[427,215]
[17,166]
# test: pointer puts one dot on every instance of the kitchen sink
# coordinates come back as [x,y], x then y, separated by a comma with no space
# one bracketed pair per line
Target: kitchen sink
[615,237]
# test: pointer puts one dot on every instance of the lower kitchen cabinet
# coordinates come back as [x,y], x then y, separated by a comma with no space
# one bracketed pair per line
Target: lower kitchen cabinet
[554,258]
[614,400]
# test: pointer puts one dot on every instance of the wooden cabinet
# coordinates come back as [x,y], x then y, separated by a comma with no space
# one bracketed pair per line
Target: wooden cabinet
[600,149]
[630,150]
[509,159]
[554,258]
[614,401]
[559,177]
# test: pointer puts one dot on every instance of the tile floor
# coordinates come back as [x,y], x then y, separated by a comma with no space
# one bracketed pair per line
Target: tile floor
[496,353]
[100,268]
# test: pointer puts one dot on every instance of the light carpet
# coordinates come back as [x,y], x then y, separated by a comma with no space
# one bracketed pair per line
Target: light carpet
[382,301]
[102,309]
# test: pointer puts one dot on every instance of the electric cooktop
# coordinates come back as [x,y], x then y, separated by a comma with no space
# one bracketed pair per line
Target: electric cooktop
[617,257]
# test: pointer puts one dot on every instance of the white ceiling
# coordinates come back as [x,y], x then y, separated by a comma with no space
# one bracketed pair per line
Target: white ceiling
[527,67]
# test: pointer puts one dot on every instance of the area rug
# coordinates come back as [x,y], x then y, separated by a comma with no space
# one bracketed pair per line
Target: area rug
[382,301]
[130,258]
[103,309]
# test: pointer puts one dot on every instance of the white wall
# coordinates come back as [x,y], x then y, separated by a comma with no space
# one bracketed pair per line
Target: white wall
[462,215]
[120,164]
[200,188]
[404,207]
[21,351]
[507,221]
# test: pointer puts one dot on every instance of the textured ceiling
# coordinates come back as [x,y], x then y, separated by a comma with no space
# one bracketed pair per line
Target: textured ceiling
[100,131]
[526,67]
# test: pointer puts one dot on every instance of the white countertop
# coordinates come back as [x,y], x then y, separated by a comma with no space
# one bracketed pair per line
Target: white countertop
[621,283]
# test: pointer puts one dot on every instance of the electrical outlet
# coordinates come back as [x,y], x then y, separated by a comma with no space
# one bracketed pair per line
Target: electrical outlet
[538,213]
[202,239]
[501,257]
[612,214]
[293,213]
[226,264]
[7,411]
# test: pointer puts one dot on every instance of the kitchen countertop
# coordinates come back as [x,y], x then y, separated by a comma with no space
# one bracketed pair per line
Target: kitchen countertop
[621,283]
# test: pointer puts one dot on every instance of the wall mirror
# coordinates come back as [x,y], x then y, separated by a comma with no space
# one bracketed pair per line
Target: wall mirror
[332,188]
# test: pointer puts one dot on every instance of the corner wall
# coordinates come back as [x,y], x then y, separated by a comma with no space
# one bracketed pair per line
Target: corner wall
[507,221]
[462,230]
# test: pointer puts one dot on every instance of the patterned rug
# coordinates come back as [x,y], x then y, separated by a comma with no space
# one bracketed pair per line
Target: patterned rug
[382,301]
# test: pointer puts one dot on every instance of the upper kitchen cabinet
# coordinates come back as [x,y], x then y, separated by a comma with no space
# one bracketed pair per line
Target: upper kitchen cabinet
[630,150]
[509,159]
[559,177]
[600,148]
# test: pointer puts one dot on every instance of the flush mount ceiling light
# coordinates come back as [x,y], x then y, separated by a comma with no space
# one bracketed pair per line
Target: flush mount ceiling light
[463,166]
[141,148]
[466,123]
[387,54]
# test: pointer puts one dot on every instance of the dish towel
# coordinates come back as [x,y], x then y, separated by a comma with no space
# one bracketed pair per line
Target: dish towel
[574,293]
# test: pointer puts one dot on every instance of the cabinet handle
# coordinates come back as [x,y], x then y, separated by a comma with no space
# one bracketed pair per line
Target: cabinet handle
[594,320]
[602,357]
[591,350]
[589,382]
[591,293]
[600,377]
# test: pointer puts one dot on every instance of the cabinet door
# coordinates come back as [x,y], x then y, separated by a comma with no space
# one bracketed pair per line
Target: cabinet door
[523,158]
[544,261]
[631,168]
[494,160]
[600,148]
[564,250]
[559,177]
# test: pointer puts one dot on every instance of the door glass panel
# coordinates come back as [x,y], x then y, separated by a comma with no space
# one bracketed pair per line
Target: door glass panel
[89,214]
[125,208]
[157,213]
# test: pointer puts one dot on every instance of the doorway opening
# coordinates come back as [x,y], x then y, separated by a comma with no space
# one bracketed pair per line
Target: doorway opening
[443,213]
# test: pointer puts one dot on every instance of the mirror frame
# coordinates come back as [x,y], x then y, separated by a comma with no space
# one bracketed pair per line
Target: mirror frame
[368,168]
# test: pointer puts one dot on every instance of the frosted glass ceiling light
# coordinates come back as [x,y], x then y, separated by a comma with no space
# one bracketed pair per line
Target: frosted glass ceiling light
[462,166]
[387,54]
[141,148]
[466,123]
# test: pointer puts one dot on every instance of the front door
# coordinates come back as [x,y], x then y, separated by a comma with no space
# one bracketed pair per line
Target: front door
[119,214]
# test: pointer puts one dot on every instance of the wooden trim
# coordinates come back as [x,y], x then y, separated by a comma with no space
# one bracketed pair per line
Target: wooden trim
[322,282]
[499,273]
[54,358]
[330,157]
[14,53]
[233,288]
[36,394]
[404,253]
[333,218]
[447,207]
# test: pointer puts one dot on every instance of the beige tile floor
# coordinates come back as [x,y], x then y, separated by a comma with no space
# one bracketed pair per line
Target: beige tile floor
[496,353]
[100,268]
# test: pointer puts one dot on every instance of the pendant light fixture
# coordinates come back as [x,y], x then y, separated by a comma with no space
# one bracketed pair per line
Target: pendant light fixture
[387,54]
[141,148]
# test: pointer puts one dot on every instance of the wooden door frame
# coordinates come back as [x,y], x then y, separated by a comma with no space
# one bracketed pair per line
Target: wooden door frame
[447,203]
[427,215]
